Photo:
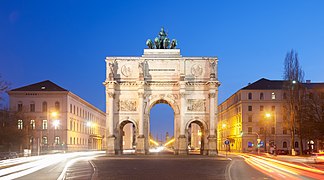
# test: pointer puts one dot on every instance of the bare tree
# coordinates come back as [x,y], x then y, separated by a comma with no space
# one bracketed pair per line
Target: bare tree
[293,76]
[4,86]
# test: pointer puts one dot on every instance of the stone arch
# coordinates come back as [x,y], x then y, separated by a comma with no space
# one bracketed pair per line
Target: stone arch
[165,100]
[120,128]
[204,133]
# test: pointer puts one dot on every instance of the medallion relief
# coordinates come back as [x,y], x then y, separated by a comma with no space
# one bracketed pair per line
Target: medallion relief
[196,105]
[127,105]
[196,70]
[126,70]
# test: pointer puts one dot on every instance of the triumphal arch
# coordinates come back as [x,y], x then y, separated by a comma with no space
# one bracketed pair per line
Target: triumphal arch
[161,75]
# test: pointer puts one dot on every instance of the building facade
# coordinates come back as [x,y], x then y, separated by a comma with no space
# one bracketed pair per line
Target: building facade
[254,118]
[55,119]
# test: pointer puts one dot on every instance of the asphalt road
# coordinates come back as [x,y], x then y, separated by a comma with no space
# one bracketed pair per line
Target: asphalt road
[174,167]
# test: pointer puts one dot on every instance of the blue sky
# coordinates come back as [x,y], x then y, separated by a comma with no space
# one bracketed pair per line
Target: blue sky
[67,41]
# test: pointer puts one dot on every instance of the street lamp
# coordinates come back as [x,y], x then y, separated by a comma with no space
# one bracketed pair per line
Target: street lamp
[268,116]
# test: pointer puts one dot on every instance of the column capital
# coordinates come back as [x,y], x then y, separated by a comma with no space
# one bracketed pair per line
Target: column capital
[182,94]
[141,94]
[111,94]
[211,95]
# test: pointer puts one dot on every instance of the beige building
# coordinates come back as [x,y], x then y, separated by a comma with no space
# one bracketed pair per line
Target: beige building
[55,119]
[254,112]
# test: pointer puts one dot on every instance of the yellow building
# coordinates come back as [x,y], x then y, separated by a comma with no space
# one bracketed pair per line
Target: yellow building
[252,114]
[55,119]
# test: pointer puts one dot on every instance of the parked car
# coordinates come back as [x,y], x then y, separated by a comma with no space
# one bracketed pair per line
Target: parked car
[8,155]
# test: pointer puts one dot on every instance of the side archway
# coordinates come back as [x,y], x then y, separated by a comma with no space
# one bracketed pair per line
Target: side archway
[196,131]
[127,130]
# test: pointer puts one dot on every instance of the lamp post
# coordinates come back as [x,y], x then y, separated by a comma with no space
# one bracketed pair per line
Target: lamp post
[224,135]
[268,116]
[56,124]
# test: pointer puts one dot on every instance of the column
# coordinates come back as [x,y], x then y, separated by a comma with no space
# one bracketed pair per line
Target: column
[182,138]
[140,147]
[212,137]
[111,146]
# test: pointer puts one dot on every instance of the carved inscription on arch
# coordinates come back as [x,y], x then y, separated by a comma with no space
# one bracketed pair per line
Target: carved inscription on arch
[196,105]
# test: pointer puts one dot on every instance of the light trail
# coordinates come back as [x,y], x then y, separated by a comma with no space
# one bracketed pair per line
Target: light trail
[26,167]
[279,169]
[169,142]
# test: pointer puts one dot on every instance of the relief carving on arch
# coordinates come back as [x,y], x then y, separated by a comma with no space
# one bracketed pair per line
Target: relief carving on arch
[196,105]
[196,70]
[126,70]
[127,105]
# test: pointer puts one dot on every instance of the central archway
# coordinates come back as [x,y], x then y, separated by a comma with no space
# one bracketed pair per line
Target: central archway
[161,131]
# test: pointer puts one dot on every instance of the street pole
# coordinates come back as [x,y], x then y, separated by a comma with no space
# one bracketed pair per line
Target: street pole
[38,146]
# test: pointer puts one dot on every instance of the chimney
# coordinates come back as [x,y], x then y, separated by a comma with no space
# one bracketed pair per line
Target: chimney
[308,81]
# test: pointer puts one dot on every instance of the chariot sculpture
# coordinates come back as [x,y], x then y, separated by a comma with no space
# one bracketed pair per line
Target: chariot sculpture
[161,42]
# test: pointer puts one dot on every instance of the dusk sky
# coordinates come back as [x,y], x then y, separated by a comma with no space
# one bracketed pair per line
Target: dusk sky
[67,41]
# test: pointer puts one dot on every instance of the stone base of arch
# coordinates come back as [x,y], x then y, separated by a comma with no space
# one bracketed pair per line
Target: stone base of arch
[212,149]
[140,146]
[111,146]
[183,145]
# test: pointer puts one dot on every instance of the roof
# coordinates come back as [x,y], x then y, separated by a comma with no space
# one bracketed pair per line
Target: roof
[314,85]
[265,84]
[41,86]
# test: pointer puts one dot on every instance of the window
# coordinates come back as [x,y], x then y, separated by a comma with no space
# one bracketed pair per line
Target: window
[250,118]
[273,108]
[70,108]
[20,107]
[273,95]
[250,108]
[32,107]
[74,140]
[44,124]
[296,144]
[70,140]
[273,131]
[70,125]
[20,124]
[44,106]
[250,96]
[57,106]
[261,108]
[249,130]
[73,109]
[261,96]
[45,141]
[284,144]
[57,140]
[284,131]
[32,124]
[284,96]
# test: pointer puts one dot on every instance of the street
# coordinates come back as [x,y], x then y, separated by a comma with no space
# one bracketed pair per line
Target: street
[96,165]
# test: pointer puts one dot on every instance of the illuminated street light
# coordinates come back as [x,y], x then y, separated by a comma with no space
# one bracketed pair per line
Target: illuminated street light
[56,123]
[54,114]
[89,124]
[268,115]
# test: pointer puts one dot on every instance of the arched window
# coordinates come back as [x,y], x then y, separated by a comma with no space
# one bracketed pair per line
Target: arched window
[19,106]
[44,106]
[296,144]
[261,96]
[284,144]
[57,106]
[250,96]
[20,124]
